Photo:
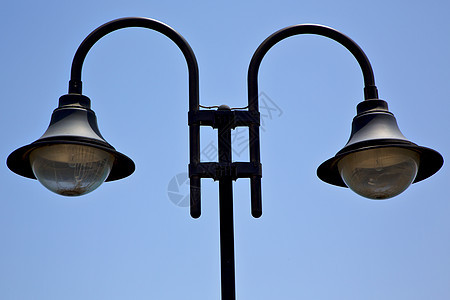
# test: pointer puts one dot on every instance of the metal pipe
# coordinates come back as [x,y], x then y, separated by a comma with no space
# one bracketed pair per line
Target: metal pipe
[226,214]
[75,83]
[369,78]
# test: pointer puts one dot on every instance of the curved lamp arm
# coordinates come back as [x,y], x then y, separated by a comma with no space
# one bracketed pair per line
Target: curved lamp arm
[370,90]
[75,84]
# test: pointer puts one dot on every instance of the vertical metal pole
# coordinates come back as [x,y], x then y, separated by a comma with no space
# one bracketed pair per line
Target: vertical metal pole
[226,214]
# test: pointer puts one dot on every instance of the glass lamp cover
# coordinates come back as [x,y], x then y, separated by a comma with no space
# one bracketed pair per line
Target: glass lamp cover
[71,169]
[379,173]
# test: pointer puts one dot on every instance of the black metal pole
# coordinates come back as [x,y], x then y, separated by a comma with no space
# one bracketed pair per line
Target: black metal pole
[75,84]
[370,90]
[227,239]
[226,211]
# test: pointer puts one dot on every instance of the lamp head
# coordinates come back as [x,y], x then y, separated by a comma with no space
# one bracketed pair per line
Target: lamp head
[71,158]
[378,162]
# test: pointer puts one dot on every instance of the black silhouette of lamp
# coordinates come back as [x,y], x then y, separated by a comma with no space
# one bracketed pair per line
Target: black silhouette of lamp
[378,162]
[72,158]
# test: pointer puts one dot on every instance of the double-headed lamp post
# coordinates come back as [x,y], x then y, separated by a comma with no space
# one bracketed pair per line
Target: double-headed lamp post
[72,158]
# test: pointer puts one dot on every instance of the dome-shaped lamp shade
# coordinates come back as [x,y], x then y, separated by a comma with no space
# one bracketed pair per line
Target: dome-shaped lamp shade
[71,158]
[378,162]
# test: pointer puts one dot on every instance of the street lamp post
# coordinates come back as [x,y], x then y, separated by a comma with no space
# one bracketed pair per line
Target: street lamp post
[72,158]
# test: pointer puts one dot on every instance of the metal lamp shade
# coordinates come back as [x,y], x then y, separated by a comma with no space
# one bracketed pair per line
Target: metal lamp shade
[73,122]
[375,127]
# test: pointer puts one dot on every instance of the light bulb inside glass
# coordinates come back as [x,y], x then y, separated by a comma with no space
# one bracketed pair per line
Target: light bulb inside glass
[379,173]
[71,169]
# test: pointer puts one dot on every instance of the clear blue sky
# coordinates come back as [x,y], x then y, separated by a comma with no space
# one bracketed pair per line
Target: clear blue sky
[128,240]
